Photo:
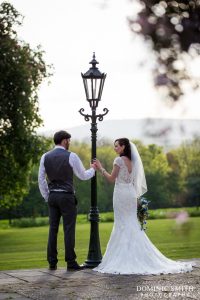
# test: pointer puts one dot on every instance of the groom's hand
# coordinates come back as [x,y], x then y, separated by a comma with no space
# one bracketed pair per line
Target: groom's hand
[93,165]
[97,163]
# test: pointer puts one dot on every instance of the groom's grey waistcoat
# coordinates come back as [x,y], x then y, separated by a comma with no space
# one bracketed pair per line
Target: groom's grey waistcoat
[58,169]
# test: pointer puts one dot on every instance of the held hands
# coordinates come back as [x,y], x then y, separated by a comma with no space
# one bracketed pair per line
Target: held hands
[92,165]
[99,167]
[97,164]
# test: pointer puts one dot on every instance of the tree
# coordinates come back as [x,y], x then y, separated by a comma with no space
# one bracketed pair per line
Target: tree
[176,180]
[172,28]
[188,161]
[157,173]
[33,205]
[21,72]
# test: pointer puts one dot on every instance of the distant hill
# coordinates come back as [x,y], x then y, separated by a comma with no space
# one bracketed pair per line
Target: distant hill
[165,132]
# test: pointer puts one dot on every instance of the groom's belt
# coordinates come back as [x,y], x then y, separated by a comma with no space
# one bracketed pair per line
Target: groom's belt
[61,191]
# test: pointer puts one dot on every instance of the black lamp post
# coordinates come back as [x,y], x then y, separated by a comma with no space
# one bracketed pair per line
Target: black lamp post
[93,81]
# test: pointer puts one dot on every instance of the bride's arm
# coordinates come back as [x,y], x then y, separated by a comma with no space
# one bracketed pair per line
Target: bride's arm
[110,177]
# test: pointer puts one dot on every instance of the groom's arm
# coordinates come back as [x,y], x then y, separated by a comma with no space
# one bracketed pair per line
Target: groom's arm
[78,167]
[42,182]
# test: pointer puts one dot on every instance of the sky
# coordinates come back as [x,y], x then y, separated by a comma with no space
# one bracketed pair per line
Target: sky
[69,32]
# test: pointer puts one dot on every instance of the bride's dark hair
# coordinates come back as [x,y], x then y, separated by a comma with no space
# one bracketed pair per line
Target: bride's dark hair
[127,149]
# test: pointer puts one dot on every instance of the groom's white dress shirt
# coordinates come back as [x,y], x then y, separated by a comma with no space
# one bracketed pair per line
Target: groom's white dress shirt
[76,165]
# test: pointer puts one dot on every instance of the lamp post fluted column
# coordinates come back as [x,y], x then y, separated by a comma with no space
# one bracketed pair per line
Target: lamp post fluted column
[93,81]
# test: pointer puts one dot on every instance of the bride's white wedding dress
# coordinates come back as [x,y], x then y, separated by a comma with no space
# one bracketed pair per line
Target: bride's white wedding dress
[129,250]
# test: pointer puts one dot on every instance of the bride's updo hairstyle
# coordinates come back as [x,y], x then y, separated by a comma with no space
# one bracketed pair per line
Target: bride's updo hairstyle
[127,149]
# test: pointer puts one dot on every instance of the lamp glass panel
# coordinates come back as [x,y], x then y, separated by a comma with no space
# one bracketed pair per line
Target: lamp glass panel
[86,87]
[101,88]
[93,88]
[96,86]
[89,84]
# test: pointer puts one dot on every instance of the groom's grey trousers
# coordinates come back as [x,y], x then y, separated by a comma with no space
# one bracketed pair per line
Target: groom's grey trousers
[61,204]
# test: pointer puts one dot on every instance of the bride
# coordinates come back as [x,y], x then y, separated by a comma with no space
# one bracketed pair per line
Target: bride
[129,250]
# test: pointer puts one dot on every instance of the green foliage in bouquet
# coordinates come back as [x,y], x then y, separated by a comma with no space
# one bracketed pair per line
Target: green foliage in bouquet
[142,212]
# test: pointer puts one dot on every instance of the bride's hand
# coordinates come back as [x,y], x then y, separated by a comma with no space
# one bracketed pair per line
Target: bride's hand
[93,165]
[97,164]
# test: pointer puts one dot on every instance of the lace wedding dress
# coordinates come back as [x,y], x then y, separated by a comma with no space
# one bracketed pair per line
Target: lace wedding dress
[129,250]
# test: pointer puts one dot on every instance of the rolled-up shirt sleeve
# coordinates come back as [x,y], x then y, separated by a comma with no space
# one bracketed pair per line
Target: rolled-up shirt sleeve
[42,182]
[78,167]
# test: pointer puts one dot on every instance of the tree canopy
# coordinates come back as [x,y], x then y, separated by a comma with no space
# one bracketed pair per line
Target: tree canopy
[22,70]
[172,28]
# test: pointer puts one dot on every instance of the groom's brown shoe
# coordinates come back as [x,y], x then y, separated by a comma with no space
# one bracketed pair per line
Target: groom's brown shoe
[75,267]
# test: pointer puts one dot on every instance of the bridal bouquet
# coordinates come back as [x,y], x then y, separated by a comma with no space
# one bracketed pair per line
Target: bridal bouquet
[142,212]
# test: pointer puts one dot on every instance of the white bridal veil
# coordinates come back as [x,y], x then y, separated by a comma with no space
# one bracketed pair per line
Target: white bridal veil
[139,179]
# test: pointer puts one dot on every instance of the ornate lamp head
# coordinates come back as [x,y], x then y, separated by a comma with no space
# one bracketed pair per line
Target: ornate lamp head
[93,81]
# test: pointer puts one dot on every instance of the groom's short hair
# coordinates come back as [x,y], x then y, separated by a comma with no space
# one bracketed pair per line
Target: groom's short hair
[61,135]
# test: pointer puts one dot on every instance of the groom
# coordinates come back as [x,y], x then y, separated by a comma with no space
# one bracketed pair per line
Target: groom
[59,165]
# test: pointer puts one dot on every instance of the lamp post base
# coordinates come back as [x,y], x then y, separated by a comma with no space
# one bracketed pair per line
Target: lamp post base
[90,264]
[94,253]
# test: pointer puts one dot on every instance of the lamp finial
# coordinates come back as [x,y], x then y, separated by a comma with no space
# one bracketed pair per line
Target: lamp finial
[94,62]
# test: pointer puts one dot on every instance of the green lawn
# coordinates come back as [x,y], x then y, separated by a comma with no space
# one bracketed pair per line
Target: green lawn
[22,248]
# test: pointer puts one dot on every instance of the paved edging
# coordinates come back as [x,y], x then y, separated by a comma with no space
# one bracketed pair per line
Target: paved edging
[42,284]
